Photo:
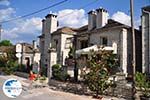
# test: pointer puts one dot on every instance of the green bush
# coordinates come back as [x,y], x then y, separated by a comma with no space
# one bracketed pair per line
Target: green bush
[100,65]
[58,73]
[10,67]
[21,68]
[44,71]
[143,83]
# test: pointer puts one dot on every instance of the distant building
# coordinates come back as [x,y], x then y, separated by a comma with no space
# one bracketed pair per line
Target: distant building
[145,39]
[55,43]
[29,53]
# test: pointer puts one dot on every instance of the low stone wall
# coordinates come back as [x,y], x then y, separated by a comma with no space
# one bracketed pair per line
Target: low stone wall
[22,74]
[122,89]
[75,88]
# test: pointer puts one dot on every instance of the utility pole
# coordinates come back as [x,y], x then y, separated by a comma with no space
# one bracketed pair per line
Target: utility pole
[0,32]
[75,60]
[134,52]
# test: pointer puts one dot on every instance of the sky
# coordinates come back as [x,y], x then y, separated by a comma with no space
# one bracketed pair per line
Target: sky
[72,13]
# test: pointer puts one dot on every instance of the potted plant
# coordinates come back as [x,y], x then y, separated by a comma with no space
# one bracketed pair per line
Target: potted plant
[144,85]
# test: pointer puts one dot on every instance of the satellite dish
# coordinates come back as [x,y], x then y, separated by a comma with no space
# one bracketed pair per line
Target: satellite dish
[18,55]
[18,48]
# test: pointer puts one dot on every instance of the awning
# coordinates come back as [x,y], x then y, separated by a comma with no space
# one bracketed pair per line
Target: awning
[94,47]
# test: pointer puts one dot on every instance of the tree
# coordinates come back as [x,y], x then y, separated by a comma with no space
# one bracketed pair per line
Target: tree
[5,43]
[100,65]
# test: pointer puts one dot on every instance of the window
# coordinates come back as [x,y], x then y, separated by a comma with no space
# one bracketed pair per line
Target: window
[103,41]
[84,44]
[55,44]
[68,43]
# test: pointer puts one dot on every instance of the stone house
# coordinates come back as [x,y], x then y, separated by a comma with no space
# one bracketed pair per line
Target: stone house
[107,32]
[145,22]
[29,53]
[54,43]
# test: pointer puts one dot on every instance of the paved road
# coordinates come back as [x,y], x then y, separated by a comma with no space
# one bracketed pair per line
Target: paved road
[39,93]
[42,93]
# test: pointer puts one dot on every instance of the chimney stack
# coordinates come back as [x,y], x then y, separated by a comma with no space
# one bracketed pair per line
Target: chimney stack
[51,23]
[91,20]
[34,45]
[102,17]
[43,26]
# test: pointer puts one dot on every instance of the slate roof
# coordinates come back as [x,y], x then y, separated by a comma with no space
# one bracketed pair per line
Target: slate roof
[84,29]
[28,48]
[65,30]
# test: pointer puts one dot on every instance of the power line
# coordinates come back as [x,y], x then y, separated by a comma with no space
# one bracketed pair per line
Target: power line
[80,8]
[84,6]
[56,4]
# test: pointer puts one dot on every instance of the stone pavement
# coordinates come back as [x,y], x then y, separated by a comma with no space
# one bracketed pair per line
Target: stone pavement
[45,93]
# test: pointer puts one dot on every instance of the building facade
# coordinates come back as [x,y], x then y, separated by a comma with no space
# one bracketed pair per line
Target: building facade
[28,54]
[109,33]
[55,43]
[145,22]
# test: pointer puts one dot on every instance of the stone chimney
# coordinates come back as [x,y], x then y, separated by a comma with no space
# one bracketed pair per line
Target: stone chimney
[102,17]
[91,20]
[34,45]
[51,23]
[43,26]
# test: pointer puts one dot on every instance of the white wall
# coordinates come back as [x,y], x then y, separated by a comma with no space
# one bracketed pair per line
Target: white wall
[145,42]
[64,50]
[118,36]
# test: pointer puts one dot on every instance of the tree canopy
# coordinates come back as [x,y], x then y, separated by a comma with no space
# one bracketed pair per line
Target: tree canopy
[6,43]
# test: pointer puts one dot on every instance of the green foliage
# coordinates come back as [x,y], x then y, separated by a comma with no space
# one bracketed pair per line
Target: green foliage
[5,43]
[100,66]
[58,73]
[71,52]
[10,67]
[44,71]
[8,61]
[21,68]
[3,61]
[143,83]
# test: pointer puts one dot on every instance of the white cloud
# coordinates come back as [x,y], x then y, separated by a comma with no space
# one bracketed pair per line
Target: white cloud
[72,18]
[124,18]
[121,17]
[4,2]
[30,26]
[24,30]
[29,29]
[6,14]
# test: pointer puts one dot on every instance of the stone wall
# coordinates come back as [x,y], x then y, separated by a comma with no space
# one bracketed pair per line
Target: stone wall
[122,90]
